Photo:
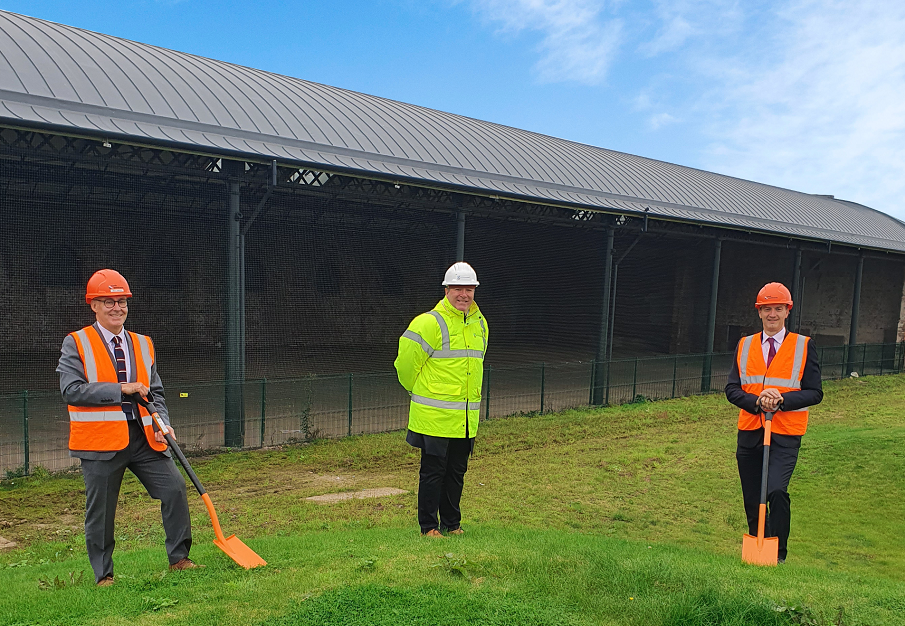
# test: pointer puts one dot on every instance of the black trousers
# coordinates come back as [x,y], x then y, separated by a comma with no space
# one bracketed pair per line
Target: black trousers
[440,487]
[158,474]
[779,504]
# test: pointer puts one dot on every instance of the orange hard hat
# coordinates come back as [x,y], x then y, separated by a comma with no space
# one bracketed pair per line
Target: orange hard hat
[773,293]
[107,283]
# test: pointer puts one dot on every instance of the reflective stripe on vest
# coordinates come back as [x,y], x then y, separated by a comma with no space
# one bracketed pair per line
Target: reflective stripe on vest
[792,383]
[446,404]
[444,352]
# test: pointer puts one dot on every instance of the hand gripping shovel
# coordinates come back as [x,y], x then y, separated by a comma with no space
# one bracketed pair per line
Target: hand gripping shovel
[762,550]
[232,545]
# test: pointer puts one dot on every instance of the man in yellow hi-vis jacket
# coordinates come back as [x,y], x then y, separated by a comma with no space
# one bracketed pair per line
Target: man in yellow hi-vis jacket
[441,364]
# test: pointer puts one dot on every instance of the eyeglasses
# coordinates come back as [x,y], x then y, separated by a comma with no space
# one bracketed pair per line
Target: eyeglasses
[122,302]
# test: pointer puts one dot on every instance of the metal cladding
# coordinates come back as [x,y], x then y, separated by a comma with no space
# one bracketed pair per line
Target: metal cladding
[73,80]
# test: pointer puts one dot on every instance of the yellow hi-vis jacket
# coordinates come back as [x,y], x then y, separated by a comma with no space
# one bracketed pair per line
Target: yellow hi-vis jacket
[441,363]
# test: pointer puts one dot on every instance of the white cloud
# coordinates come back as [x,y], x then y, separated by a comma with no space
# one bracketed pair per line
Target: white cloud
[805,94]
[681,21]
[655,122]
[824,110]
[577,44]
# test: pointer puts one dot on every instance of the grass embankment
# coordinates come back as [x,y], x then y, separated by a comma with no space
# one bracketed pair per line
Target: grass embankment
[625,515]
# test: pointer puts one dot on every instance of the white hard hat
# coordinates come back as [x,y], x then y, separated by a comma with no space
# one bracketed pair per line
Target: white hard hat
[460,274]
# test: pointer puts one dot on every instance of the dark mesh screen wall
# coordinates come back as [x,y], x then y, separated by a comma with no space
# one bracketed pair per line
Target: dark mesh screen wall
[541,289]
[64,220]
[335,269]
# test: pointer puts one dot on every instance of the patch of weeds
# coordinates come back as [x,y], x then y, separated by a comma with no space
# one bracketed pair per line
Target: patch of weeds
[23,563]
[454,565]
[45,584]
[619,516]
[369,564]
[149,605]
[804,616]
[19,472]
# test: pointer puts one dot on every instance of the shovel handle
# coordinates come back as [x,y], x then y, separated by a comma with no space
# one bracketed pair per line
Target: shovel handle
[762,513]
[158,423]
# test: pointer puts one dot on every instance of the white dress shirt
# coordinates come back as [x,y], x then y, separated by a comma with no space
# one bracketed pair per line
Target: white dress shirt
[777,339]
[108,339]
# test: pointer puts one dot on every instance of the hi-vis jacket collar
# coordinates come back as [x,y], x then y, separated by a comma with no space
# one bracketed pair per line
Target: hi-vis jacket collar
[454,311]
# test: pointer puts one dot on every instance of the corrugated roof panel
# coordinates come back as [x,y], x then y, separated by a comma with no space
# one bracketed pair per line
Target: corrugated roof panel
[60,76]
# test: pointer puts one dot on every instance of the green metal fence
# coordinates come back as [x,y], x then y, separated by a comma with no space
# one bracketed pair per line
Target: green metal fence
[34,425]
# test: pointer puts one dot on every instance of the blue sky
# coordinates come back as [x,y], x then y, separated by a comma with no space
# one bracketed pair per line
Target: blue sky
[804,94]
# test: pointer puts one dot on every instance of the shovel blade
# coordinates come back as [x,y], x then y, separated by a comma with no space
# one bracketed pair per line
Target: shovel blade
[766,554]
[239,552]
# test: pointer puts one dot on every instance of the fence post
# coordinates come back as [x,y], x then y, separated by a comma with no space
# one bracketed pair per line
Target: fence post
[487,392]
[609,366]
[263,407]
[542,381]
[635,380]
[350,405]
[675,373]
[863,358]
[25,428]
[591,384]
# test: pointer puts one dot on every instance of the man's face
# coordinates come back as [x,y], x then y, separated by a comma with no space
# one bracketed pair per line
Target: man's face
[111,312]
[773,317]
[460,296]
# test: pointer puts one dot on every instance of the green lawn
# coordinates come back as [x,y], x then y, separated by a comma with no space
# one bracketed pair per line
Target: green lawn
[625,515]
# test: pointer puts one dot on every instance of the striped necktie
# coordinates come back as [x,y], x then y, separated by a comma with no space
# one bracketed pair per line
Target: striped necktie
[121,373]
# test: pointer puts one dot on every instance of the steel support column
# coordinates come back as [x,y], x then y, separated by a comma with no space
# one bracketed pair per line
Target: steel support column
[460,237]
[234,406]
[602,365]
[856,305]
[711,317]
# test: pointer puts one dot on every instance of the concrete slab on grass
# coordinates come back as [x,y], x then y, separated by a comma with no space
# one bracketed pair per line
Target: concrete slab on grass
[329,498]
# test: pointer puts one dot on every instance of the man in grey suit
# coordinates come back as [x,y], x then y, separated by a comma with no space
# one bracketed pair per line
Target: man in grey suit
[101,367]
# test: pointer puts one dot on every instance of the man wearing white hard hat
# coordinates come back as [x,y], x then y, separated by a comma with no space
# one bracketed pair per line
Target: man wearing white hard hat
[441,364]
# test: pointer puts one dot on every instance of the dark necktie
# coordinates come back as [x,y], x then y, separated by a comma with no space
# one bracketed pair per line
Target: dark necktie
[121,373]
[772,352]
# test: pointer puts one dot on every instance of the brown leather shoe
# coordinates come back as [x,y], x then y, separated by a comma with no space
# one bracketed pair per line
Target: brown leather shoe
[106,581]
[457,531]
[433,533]
[182,564]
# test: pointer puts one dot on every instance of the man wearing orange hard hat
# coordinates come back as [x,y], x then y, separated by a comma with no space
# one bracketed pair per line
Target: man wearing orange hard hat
[774,371]
[101,366]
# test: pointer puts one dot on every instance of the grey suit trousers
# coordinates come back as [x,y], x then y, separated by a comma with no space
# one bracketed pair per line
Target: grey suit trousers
[158,474]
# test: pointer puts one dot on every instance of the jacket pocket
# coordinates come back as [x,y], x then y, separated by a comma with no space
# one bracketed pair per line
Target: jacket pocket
[454,390]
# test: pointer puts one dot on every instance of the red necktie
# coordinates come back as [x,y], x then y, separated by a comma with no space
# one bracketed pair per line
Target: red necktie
[772,352]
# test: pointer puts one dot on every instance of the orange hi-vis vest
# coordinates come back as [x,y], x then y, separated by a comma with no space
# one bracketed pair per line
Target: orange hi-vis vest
[104,428]
[784,374]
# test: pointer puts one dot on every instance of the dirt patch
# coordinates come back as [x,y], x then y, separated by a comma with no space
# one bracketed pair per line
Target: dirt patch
[6,544]
[329,498]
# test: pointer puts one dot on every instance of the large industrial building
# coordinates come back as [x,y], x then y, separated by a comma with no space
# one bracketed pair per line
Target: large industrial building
[279,235]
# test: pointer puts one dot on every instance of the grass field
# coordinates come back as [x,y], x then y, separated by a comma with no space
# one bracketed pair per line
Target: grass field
[624,515]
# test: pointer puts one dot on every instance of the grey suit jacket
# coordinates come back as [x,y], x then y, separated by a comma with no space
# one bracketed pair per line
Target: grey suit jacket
[78,391]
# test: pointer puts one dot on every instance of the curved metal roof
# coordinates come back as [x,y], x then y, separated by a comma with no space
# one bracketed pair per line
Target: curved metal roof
[67,78]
